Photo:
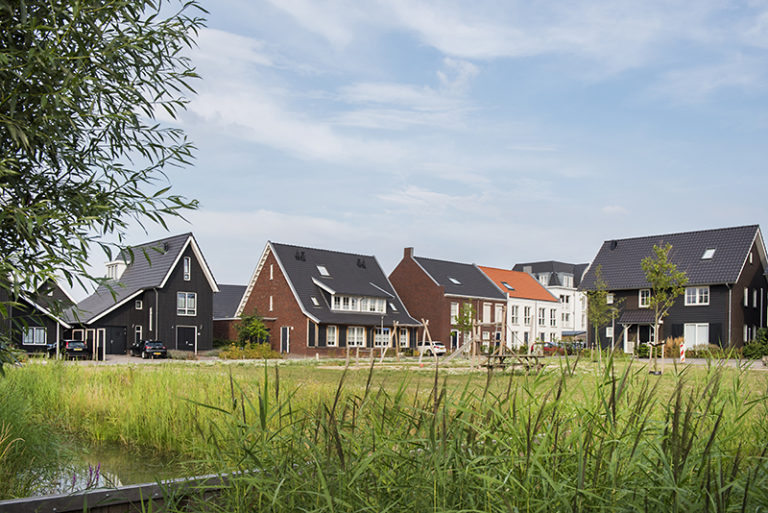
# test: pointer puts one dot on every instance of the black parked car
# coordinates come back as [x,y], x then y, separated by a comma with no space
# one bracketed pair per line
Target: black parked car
[75,349]
[149,349]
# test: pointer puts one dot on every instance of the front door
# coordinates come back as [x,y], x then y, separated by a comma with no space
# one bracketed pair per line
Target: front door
[116,339]
[285,339]
[186,338]
[454,339]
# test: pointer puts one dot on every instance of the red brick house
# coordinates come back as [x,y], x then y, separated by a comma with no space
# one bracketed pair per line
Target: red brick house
[320,302]
[436,290]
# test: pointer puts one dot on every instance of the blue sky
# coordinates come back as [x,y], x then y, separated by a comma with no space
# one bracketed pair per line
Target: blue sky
[487,132]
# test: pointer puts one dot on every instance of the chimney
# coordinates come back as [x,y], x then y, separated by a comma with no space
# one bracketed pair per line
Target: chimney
[408,253]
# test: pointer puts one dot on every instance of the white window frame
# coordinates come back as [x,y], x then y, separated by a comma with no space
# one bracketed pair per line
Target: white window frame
[138,304]
[609,298]
[332,341]
[609,332]
[187,268]
[404,337]
[515,314]
[323,271]
[271,304]
[271,271]
[138,333]
[694,329]
[697,296]
[498,313]
[552,317]
[527,316]
[35,336]
[754,298]
[381,338]
[542,317]
[486,313]
[183,304]
[746,296]
[353,341]
[454,312]
[149,324]
[644,298]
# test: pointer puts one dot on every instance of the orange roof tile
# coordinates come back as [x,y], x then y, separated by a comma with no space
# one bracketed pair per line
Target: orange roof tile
[523,284]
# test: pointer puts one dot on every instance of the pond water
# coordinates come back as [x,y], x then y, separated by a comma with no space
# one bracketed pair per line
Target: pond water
[112,465]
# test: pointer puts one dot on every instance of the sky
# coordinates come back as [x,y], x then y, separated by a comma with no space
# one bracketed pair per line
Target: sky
[490,132]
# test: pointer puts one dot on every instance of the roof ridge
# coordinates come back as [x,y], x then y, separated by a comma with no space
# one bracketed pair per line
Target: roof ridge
[690,232]
[320,249]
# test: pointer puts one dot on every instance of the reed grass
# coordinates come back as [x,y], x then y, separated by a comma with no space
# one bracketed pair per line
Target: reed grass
[572,438]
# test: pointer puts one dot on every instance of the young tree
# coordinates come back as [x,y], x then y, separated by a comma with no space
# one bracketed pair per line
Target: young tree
[251,330]
[465,320]
[667,284]
[599,311]
[81,151]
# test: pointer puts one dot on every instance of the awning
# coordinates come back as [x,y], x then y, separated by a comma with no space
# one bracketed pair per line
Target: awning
[644,316]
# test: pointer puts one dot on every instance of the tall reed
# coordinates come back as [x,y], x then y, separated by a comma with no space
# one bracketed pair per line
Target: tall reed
[519,443]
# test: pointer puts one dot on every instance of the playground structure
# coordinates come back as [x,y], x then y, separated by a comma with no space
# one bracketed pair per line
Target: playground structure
[495,353]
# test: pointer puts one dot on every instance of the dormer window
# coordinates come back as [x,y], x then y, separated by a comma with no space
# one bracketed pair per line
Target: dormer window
[708,254]
[454,280]
[323,271]
[359,304]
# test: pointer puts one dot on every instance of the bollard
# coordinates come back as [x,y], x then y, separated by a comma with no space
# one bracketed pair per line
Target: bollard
[682,352]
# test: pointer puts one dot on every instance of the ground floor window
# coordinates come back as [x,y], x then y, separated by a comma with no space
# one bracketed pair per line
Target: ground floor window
[404,341]
[696,335]
[34,336]
[356,336]
[331,336]
[381,337]
[138,334]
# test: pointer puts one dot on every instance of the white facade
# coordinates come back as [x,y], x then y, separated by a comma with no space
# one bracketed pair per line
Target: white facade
[528,320]
[573,315]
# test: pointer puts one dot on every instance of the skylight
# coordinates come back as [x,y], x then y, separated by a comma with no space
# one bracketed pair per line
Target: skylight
[454,280]
[315,301]
[708,254]
[510,287]
[323,270]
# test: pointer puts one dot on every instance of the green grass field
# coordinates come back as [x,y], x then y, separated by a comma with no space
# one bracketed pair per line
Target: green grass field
[322,438]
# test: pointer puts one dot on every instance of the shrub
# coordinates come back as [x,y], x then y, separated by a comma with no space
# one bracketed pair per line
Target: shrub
[643,351]
[250,351]
[672,347]
[758,347]
[181,355]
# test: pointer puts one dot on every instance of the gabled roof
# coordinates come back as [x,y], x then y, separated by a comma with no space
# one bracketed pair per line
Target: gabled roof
[554,267]
[226,301]
[621,259]
[524,286]
[458,279]
[313,273]
[149,266]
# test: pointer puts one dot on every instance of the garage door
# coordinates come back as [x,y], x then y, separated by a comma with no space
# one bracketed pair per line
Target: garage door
[696,335]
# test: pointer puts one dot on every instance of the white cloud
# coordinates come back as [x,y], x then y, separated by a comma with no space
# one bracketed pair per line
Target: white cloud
[696,84]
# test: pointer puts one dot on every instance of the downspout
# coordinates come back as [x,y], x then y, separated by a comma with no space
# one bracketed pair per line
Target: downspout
[157,318]
[730,308]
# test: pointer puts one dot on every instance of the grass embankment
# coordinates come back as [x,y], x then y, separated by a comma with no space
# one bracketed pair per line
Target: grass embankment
[618,440]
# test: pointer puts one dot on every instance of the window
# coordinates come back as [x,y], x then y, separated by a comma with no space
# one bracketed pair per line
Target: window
[746,334]
[553,317]
[695,335]
[609,299]
[708,254]
[551,337]
[754,298]
[454,312]
[271,272]
[566,317]
[139,304]
[750,257]
[34,336]
[323,270]
[354,304]
[609,332]
[315,302]
[644,298]
[186,303]
[454,280]
[381,337]
[331,336]
[337,302]
[137,335]
[404,340]
[526,337]
[507,285]
[515,310]
[356,336]
[486,313]
[542,316]
[746,296]
[187,268]
[149,323]
[359,304]
[527,316]
[498,314]
[696,296]
[271,304]
[392,306]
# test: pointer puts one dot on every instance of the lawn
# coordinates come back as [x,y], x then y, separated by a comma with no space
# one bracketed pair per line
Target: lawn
[328,439]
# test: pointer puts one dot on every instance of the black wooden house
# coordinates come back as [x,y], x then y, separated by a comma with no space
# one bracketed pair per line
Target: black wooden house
[162,290]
